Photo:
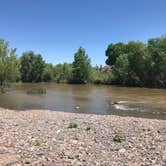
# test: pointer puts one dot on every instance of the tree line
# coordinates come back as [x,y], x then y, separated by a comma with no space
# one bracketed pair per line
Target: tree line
[138,64]
[129,64]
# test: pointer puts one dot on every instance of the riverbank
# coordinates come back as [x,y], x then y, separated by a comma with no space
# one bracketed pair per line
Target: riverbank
[40,137]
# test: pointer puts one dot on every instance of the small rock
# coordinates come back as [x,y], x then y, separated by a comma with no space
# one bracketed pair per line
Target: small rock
[58,131]
[121,151]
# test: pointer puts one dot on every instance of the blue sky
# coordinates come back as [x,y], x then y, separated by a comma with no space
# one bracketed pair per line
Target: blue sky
[56,28]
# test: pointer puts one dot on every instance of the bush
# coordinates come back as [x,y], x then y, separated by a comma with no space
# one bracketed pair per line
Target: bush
[36,143]
[72,125]
[119,138]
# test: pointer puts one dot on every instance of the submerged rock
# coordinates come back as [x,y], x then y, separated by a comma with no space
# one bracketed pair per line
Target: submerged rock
[77,107]
[118,102]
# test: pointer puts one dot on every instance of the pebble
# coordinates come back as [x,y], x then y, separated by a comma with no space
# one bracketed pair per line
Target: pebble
[122,151]
[145,143]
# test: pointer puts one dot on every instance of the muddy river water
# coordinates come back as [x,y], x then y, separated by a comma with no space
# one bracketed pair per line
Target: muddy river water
[93,99]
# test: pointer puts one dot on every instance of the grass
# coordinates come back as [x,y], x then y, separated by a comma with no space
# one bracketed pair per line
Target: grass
[119,138]
[36,91]
[72,125]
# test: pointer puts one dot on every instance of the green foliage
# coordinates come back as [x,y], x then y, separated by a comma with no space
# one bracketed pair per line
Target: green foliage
[101,76]
[114,51]
[62,73]
[32,67]
[119,138]
[36,91]
[72,125]
[48,74]
[36,143]
[121,70]
[139,64]
[157,67]
[81,67]
[137,55]
[9,64]
[132,64]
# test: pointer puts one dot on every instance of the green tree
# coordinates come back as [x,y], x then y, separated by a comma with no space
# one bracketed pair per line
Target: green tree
[157,52]
[81,67]
[9,64]
[114,51]
[132,65]
[121,70]
[67,70]
[32,67]
[137,57]
[100,75]
[48,74]
[62,72]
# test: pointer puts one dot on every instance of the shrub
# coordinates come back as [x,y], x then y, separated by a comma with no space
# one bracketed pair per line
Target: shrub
[119,138]
[72,125]
[36,143]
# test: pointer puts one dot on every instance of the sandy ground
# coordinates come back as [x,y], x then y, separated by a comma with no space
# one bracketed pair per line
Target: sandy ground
[41,137]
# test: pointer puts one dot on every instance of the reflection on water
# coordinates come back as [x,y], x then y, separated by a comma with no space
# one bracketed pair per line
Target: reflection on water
[123,101]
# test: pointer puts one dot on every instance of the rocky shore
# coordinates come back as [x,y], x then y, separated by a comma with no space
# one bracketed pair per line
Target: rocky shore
[50,138]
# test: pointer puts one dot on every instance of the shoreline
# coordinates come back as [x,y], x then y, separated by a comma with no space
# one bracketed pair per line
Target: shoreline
[39,137]
[89,84]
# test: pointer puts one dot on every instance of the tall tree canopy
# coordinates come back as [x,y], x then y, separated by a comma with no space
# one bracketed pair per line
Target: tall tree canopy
[114,51]
[139,64]
[32,67]
[9,64]
[137,57]
[81,67]
[157,52]
[132,64]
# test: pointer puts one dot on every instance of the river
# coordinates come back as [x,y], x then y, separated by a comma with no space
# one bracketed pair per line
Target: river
[93,99]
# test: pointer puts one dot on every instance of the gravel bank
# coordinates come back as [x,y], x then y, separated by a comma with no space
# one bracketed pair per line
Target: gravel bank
[43,138]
